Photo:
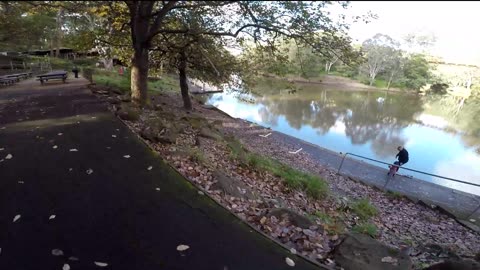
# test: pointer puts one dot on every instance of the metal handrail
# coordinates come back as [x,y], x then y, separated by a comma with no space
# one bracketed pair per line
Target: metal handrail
[404,168]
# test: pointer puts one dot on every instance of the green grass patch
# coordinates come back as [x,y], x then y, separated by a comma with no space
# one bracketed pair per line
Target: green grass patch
[364,209]
[196,155]
[366,228]
[314,186]
[394,195]
[167,83]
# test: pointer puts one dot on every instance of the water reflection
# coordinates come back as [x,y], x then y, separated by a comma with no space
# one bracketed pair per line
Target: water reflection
[370,124]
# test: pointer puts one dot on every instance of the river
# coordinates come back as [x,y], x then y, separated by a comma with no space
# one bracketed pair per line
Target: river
[370,124]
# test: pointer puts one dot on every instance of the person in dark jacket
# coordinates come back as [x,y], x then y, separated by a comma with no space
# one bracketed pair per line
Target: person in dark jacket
[402,155]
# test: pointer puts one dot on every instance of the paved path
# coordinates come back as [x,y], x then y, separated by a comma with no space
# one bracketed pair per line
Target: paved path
[114,215]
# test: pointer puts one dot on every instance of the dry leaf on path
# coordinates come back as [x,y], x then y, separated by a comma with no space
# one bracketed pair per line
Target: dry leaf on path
[89,171]
[126,156]
[9,156]
[101,264]
[290,262]
[73,150]
[182,247]
[17,217]
[66,267]
[57,252]
[52,217]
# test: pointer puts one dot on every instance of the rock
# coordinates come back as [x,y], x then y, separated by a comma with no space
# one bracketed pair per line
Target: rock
[116,91]
[148,134]
[455,265]
[294,218]
[361,252]
[126,98]
[113,100]
[157,107]
[231,186]
[196,122]
[210,133]
[128,113]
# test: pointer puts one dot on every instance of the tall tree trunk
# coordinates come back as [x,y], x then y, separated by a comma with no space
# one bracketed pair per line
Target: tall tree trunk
[372,79]
[389,81]
[139,76]
[182,70]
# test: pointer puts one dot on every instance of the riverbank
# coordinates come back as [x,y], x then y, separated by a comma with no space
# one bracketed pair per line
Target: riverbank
[333,82]
[214,152]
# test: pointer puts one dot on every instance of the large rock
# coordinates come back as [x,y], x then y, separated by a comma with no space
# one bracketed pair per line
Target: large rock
[210,133]
[294,218]
[231,186]
[159,130]
[455,265]
[361,252]
[128,113]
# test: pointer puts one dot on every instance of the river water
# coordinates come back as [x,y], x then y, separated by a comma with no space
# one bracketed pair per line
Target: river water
[370,124]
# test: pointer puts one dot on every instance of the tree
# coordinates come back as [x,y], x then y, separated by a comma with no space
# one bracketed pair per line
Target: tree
[380,51]
[395,67]
[416,72]
[262,21]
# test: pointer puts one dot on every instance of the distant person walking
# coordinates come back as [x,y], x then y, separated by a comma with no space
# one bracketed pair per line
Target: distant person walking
[75,70]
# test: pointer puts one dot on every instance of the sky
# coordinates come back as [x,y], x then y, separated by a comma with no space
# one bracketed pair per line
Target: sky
[454,23]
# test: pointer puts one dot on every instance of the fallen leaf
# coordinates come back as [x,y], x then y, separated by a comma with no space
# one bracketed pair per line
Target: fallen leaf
[9,156]
[293,251]
[182,247]
[17,217]
[55,147]
[472,220]
[89,171]
[290,262]
[52,217]
[101,264]
[21,182]
[114,136]
[60,134]
[70,169]
[389,260]
[1,149]
[57,252]
[263,219]
[73,150]
[158,189]
[150,168]
[72,258]
[126,156]
[201,193]
[66,267]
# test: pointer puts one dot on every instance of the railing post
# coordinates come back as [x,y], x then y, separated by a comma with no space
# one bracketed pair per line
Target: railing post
[341,163]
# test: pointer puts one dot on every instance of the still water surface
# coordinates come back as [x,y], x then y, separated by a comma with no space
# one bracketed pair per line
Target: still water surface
[370,124]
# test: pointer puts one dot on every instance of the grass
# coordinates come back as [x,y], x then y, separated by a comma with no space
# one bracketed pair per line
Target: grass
[314,186]
[364,209]
[366,228]
[167,83]
[196,155]
[394,195]
[331,225]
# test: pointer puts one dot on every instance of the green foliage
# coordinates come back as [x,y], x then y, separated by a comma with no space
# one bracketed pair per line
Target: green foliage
[416,72]
[88,73]
[366,228]
[364,209]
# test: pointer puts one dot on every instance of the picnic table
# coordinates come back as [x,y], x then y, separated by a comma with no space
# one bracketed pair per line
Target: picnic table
[7,81]
[54,75]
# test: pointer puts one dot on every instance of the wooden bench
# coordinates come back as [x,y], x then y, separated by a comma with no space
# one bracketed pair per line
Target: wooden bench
[54,75]
[7,81]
